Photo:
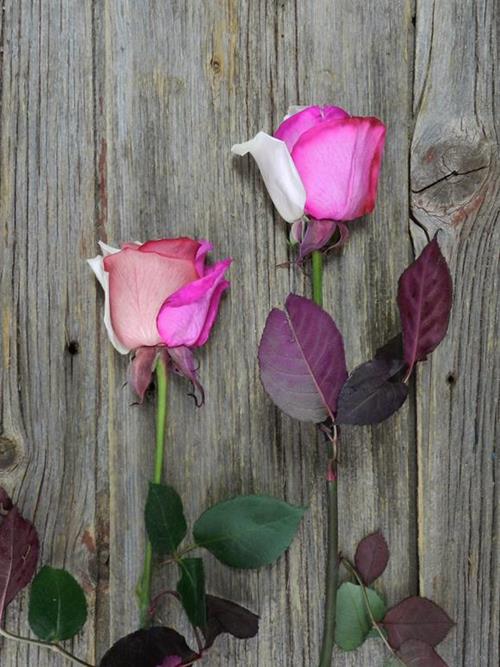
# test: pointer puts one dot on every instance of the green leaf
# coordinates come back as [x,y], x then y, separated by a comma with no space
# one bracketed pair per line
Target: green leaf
[353,622]
[57,606]
[165,522]
[191,588]
[248,531]
[375,634]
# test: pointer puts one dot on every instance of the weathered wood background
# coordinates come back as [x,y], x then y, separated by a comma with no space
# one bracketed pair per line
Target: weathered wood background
[116,123]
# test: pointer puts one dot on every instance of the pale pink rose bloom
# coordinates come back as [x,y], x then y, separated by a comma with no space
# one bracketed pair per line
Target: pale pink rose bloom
[159,293]
[321,163]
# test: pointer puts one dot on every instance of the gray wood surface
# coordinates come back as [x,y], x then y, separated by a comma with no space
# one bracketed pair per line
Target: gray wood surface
[116,122]
[455,184]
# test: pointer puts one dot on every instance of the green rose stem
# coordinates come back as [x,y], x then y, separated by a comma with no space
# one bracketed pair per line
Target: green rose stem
[331,490]
[317,277]
[144,586]
[49,645]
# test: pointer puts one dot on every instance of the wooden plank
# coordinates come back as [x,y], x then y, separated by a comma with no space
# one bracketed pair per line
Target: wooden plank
[50,338]
[182,82]
[455,183]
[368,75]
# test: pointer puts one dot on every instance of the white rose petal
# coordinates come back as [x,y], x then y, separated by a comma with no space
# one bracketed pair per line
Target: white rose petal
[97,266]
[279,173]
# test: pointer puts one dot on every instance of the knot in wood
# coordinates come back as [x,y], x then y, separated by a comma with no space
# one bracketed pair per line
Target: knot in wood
[216,64]
[8,453]
[448,177]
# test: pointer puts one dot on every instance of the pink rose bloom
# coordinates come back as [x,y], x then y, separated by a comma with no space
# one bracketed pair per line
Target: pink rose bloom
[159,293]
[321,162]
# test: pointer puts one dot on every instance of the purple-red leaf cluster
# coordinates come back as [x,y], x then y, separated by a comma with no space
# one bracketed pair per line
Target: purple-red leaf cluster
[424,300]
[416,618]
[372,556]
[301,353]
[415,625]
[302,360]
[19,550]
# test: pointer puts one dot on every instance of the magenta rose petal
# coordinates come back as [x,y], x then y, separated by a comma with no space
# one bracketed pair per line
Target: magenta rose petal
[203,250]
[139,283]
[213,309]
[294,126]
[339,163]
[140,370]
[302,360]
[187,316]
[185,364]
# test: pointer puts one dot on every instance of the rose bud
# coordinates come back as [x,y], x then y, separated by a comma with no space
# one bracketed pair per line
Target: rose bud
[321,162]
[159,294]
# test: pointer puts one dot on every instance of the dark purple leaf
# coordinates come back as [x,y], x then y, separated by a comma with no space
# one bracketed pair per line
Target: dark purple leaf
[424,300]
[371,394]
[226,616]
[317,235]
[392,351]
[147,648]
[140,370]
[185,364]
[416,618]
[19,549]
[415,653]
[302,360]
[372,556]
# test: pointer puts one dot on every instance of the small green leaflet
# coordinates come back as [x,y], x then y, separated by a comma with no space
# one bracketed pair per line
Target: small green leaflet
[191,588]
[57,606]
[248,531]
[353,623]
[165,522]
[375,634]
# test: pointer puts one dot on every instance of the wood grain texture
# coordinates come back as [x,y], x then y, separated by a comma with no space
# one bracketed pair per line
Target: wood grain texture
[455,181]
[116,122]
[50,406]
